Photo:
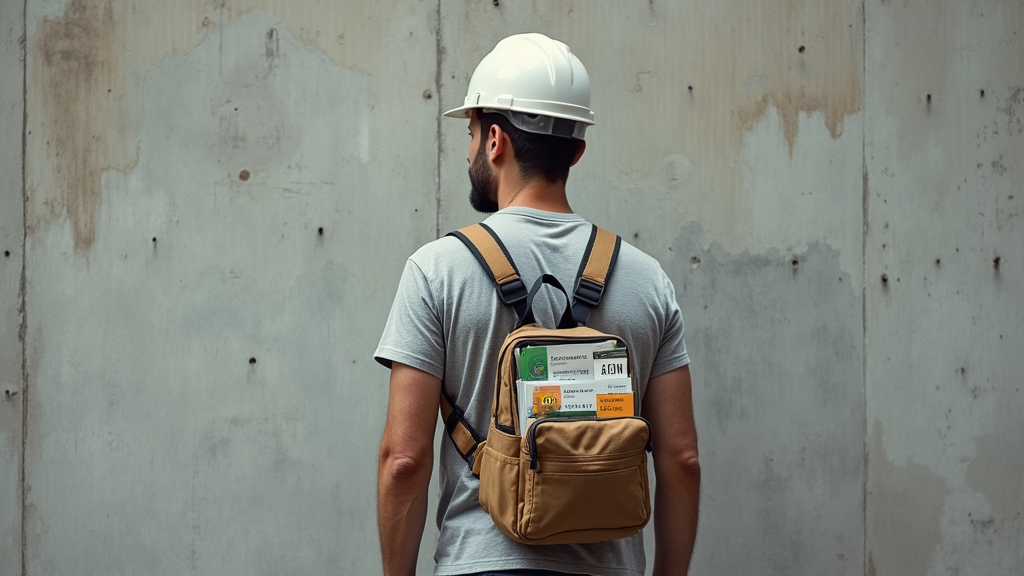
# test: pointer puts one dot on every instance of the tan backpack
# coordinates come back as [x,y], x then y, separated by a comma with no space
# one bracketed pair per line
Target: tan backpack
[562,479]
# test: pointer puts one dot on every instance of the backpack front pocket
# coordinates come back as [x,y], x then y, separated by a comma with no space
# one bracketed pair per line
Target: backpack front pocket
[584,480]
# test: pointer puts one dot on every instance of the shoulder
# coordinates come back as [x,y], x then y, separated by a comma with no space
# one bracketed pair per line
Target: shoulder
[445,253]
[637,261]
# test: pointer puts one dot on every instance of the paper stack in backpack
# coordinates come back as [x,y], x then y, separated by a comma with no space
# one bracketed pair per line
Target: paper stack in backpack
[602,398]
[590,361]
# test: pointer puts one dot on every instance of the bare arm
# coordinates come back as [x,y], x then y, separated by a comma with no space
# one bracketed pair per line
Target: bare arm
[404,467]
[668,405]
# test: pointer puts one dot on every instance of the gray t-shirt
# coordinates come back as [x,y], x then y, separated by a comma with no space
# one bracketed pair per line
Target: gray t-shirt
[447,320]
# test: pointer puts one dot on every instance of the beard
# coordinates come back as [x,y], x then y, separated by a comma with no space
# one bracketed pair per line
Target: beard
[483,191]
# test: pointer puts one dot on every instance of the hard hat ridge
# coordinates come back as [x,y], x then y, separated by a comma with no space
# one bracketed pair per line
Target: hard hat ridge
[536,82]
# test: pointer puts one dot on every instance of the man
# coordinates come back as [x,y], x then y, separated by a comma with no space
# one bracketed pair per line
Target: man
[528,107]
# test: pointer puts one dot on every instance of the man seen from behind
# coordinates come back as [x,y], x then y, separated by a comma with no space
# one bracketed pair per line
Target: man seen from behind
[527,108]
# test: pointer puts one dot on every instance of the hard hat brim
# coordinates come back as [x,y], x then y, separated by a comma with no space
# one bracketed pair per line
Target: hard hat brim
[463,112]
[460,112]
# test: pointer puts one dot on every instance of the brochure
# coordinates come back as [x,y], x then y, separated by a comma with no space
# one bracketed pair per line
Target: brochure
[603,398]
[559,362]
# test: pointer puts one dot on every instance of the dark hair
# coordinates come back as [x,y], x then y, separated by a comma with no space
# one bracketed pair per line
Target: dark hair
[538,155]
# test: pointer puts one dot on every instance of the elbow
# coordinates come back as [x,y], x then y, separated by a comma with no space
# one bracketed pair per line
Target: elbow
[691,465]
[683,464]
[688,464]
[405,467]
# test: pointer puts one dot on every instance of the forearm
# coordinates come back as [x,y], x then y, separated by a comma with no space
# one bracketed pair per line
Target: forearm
[401,513]
[404,465]
[676,503]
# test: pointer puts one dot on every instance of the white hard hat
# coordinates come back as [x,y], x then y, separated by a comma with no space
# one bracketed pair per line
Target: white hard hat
[534,81]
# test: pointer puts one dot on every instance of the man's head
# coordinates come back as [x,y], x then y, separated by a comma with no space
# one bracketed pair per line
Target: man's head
[532,91]
[536,156]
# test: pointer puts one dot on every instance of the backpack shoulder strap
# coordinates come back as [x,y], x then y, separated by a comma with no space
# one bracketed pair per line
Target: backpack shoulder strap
[598,261]
[496,261]
[494,258]
[462,435]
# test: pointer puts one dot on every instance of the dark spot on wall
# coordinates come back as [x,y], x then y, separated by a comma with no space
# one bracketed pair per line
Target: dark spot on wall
[273,49]
[252,361]
[244,175]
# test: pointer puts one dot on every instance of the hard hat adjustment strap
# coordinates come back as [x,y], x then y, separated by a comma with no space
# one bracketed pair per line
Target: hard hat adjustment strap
[539,124]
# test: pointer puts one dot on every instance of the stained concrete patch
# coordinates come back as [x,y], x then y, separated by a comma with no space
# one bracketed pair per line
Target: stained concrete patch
[997,474]
[702,88]
[237,312]
[776,343]
[905,517]
[76,66]
[997,471]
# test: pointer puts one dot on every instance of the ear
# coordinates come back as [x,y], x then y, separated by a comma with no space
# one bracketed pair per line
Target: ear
[497,141]
[579,152]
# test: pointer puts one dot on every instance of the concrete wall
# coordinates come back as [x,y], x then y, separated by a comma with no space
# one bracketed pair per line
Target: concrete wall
[12,257]
[220,197]
[944,287]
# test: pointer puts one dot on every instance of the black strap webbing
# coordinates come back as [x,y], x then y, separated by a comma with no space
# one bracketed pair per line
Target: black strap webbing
[598,260]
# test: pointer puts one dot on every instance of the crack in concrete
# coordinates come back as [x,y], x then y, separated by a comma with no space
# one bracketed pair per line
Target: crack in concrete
[865,198]
[437,93]
[23,293]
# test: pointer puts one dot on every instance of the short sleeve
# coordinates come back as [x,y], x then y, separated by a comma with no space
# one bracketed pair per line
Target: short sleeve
[413,334]
[672,352]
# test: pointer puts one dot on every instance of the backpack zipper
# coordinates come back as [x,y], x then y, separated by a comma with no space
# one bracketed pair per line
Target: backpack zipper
[531,432]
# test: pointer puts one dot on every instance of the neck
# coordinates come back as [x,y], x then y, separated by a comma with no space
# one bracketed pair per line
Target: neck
[538,194]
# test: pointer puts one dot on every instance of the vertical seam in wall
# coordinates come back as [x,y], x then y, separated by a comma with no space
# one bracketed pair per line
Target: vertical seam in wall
[23,292]
[865,197]
[437,96]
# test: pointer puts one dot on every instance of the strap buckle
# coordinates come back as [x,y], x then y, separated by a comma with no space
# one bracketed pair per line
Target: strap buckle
[512,292]
[589,292]
[453,419]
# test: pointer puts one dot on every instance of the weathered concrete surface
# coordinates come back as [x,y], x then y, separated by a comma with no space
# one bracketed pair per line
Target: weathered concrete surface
[748,189]
[944,154]
[707,75]
[221,195]
[218,216]
[12,94]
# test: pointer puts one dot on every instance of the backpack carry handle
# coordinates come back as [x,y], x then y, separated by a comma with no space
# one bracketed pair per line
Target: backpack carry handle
[565,322]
